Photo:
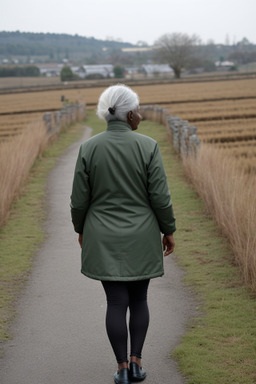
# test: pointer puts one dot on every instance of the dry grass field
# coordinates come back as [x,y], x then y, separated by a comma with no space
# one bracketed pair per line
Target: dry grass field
[230,125]
[12,125]
[16,160]
[149,94]
[17,82]
[228,122]
[224,112]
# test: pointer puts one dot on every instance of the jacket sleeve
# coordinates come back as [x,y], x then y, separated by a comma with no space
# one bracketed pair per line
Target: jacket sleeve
[80,197]
[159,194]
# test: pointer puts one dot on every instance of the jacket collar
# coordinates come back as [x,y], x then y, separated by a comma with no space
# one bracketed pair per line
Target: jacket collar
[117,125]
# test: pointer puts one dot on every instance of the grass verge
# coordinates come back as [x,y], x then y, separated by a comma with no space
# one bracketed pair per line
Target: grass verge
[23,233]
[220,344]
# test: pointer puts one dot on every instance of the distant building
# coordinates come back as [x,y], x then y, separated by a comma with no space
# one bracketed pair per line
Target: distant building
[75,70]
[50,70]
[224,65]
[94,71]
[157,69]
[137,49]
[129,71]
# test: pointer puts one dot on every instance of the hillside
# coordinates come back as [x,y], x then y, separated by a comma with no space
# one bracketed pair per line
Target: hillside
[41,47]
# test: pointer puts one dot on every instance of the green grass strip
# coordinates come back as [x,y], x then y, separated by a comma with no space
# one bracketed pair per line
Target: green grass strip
[23,233]
[220,344]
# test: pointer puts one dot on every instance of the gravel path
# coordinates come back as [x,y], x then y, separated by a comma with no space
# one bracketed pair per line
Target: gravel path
[59,334]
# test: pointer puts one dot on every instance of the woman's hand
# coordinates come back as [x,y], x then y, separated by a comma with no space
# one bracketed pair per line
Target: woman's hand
[80,239]
[168,244]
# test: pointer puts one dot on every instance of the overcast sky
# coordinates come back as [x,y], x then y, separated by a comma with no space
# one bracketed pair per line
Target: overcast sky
[133,20]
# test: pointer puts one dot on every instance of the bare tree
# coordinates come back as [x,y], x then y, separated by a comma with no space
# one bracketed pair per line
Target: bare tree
[176,49]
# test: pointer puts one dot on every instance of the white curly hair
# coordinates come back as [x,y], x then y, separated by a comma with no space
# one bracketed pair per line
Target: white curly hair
[116,101]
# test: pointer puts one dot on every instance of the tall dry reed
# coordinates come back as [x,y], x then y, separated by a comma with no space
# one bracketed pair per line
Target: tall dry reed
[16,159]
[230,196]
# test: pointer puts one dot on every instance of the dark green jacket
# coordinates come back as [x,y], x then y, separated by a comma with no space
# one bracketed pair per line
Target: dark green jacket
[120,202]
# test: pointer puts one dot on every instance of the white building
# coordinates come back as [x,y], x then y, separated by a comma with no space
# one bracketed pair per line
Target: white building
[157,69]
[50,70]
[100,71]
[224,65]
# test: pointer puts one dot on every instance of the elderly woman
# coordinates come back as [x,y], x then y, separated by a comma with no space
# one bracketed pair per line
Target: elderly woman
[120,204]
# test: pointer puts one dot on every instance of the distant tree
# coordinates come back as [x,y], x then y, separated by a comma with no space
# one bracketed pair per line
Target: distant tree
[31,71]
[242,57]
[244,41]
[118,71]
[66,74]
[197,63]
[209,66]
[18,71]
[176,49]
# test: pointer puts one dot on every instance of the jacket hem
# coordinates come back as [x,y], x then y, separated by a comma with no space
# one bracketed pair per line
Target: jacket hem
[122,278]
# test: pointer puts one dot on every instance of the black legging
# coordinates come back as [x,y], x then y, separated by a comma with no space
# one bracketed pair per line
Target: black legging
[120,296]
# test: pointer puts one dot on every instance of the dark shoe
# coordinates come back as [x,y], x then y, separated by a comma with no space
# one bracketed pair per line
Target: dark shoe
[122,377]
[136,372]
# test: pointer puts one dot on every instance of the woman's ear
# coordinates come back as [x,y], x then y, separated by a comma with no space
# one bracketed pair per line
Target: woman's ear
[129,116]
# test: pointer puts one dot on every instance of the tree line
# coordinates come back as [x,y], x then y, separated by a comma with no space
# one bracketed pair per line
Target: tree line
[53,45]
[27,71]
